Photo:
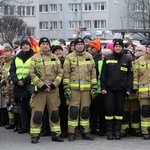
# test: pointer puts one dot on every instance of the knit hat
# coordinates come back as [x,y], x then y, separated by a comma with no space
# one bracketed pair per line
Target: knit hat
[17,42]
[119,42]
[62,41]
[127,51]
[78,40]
[25,42]
[96,44]
[44,39]
[56,47]
[86,37]
[110,46]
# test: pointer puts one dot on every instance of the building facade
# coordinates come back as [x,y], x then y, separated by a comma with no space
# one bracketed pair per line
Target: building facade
[60,18]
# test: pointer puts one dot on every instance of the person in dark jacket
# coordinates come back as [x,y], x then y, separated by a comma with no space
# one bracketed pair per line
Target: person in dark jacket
[19,73]
[97,115]
[116,83]
[63,108]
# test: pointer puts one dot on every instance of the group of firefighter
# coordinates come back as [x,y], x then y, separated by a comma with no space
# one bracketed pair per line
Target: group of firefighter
[90,90]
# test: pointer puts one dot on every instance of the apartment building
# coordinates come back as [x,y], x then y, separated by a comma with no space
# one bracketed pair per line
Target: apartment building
[60,18]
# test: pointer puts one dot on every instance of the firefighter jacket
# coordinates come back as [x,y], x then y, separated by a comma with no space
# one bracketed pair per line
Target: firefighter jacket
[79,71]
[46,68]
[5,74]
[141,76]
[19,70]
[6,67]
[117,72]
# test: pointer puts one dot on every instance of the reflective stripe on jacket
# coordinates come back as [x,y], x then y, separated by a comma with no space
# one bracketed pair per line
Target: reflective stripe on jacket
[79,71]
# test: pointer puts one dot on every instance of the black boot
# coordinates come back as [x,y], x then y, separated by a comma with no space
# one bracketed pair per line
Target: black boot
[109,126]
[72,137]
[87,136]
[146,136]
[34,139]
[15,129]
[57,138]
[10,126]
[117,129]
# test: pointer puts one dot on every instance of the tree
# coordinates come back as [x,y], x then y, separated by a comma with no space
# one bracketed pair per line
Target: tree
[10,27]
[140,13]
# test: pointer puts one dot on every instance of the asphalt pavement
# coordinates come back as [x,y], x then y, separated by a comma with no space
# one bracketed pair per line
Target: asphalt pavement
[10,140]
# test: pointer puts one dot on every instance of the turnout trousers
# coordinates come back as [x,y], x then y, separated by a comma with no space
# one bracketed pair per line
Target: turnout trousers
[79,111]
[145,115]
[39,101]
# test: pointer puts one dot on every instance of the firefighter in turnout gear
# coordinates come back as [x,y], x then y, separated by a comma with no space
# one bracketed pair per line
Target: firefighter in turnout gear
[79,82]
[142,83]
[116,82]
[46,73]
[131,114]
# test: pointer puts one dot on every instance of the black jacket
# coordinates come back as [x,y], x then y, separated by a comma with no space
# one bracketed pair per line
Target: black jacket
[20,92]
[117,73]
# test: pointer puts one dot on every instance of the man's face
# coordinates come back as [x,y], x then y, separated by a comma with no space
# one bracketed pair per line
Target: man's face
[59,53]
[93,50]
[25,47]
[118,48]
[45,47]
[79,47]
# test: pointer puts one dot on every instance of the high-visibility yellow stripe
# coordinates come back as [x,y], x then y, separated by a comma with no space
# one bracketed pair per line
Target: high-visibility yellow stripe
[143,89]
[35,130]
[124,69]
[111,61]
[135,125]
[84,123]
[118,117]
[55,129]
[145,124]
[124,126]
[73,123]
[109,117]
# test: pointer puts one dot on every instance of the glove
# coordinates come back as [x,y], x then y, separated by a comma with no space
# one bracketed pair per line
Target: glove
[93,93]
[67,94]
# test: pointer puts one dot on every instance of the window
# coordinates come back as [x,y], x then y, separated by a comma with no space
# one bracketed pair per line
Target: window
[99,24]
[44,25]
[53,25]
[87,7]
[74,24]
[60,7]
[30,31]
[75,7]
[9,10]
[60,25]
[26,10]
[43,8]
[138,24]
[53,7]
[100,6]
[140,7]
[87,24]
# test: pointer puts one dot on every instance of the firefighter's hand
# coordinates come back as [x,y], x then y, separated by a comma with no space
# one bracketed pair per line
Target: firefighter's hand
[67,94]
[104,92]
[20,83]
[94,93]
